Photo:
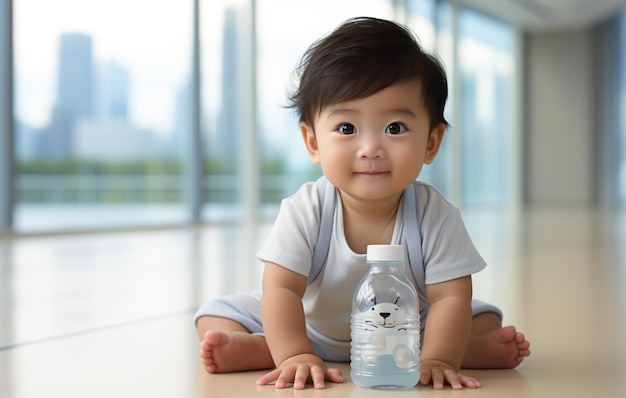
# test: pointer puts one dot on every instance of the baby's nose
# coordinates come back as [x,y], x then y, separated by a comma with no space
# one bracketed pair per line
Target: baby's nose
[370,146]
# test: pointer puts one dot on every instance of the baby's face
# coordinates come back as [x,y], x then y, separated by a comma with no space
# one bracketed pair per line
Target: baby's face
[372,148]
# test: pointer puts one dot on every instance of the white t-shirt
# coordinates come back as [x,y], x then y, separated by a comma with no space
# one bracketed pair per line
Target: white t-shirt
[448,253]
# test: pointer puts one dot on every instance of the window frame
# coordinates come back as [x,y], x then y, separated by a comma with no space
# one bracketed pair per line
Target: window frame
[7,155]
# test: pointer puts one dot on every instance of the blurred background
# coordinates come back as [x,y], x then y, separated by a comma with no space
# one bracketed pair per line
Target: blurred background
[144,113]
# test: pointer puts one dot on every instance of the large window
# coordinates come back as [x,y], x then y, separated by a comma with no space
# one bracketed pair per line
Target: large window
[486,65]
[478,162]
[226,66]
[251,138]
[100,90]
[621,122]
[127,115]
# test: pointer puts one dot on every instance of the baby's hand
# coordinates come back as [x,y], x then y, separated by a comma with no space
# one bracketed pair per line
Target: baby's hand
[299,370]
[439,372]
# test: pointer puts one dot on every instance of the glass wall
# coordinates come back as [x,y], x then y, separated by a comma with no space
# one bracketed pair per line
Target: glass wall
[621,139]
[100,109]
[104,95]
[486,67]
[610,74]
[477,164]
[423,17]
[222,53]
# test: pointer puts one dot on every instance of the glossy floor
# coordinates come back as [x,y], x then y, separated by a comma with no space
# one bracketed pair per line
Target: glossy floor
[110,314]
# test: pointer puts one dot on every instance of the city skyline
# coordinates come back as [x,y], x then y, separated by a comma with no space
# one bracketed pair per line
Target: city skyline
[111,133]
[90,109]
[89,117]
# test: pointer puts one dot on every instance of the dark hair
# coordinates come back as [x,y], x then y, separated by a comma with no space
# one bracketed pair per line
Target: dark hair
[362,57]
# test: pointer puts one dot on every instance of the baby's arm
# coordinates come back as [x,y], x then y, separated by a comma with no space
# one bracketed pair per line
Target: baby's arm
[285,332]
[447,333]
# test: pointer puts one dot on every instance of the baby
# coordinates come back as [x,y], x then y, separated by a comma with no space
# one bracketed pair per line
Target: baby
[371,105]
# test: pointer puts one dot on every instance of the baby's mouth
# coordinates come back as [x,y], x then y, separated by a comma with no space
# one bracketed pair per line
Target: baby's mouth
[373,172]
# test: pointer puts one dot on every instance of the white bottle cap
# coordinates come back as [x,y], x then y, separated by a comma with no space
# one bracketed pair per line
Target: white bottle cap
[385,253]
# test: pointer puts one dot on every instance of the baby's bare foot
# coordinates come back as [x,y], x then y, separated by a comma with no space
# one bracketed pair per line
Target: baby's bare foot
[224,352]
[503,348]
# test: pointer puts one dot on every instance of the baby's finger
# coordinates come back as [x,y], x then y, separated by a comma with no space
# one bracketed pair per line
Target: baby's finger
[453,379]
[425,377]
[286,376]
[334,375]
[301,376]
[317,377]
[437,379]
[469,382]
[268,377]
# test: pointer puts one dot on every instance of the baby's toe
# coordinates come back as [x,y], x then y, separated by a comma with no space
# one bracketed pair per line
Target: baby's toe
[519,337]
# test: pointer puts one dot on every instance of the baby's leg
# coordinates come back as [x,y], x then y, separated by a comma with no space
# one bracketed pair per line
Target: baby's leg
[492,346]
[226,346]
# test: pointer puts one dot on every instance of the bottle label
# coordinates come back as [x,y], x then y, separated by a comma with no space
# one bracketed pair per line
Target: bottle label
[386,334]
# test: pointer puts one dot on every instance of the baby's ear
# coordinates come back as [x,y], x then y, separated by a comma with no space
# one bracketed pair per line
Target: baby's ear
[310,141]
[434,142]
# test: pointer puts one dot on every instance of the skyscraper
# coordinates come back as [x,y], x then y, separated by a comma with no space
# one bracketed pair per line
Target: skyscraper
[224,142]
[74,93]
[113,91]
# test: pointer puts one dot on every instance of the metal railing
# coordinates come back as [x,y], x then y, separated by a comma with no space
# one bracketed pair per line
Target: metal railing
[153,188]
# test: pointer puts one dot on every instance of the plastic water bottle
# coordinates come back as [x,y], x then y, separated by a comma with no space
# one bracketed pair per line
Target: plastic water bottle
[385,324]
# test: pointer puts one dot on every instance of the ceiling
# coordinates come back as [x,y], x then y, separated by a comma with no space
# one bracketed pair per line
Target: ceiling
[548,15]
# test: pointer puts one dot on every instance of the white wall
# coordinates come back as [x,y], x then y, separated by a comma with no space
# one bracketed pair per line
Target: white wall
[559,164]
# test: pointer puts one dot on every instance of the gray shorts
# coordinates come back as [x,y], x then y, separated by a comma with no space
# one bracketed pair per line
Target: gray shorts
[245,309]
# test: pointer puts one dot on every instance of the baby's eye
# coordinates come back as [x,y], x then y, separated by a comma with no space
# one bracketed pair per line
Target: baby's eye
[347,129]
[395,129]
